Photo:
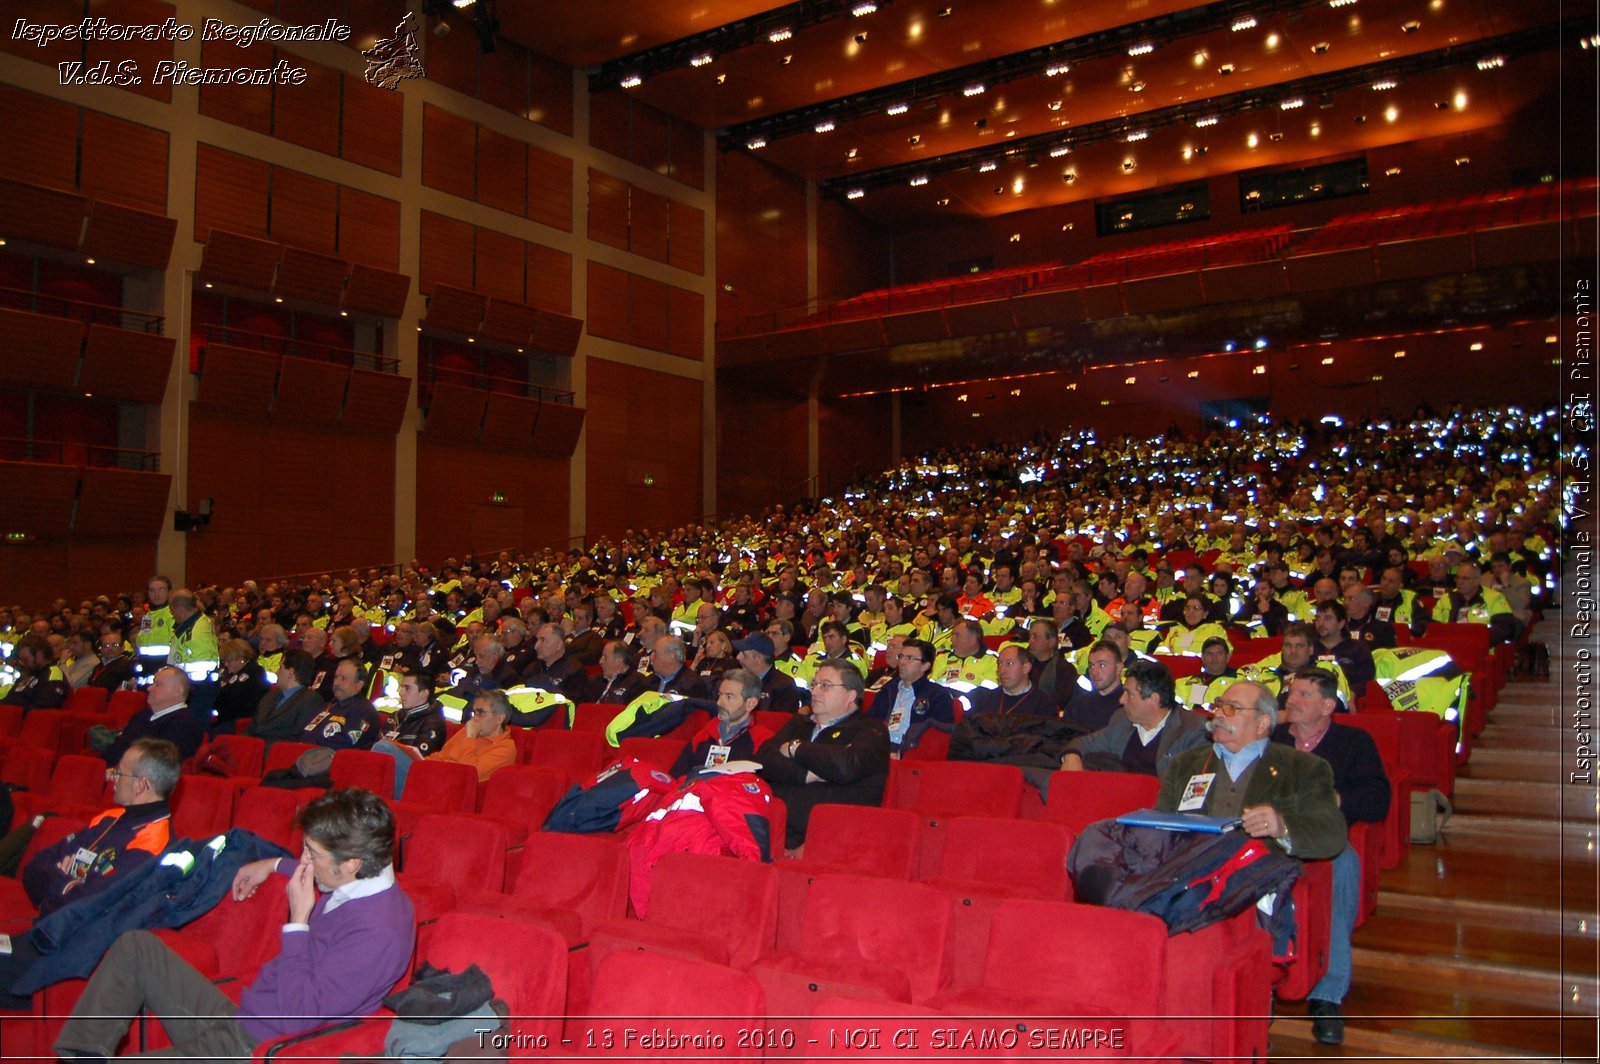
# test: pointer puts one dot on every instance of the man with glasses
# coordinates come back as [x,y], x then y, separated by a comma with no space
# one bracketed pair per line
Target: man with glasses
[1147,731]
[910,703]
[115,670]
[837,754]
[1276,791]
[113,845]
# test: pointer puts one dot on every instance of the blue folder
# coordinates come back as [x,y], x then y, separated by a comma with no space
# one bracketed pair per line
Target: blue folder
[1149,818]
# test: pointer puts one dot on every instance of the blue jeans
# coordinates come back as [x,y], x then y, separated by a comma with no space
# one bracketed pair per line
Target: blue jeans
[1335,982]
[402,764]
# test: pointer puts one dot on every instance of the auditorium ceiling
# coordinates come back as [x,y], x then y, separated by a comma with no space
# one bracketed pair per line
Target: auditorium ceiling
[909,108]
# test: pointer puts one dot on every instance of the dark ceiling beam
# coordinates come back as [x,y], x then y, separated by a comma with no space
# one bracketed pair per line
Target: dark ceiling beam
[1312,89]
[1047,61]
[721,40]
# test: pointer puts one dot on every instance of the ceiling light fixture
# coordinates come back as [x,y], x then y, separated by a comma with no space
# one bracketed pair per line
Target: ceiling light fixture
[985,167]
[897,109]
[1208,120]
[1248,22]
[756,143]
[855,193]
[977,88]
[632,81]
[1142,48]
[703,59]
[1385,85]
[825,126]
[863,8]
[1056,70]
[1059,150]
[919,180]
[1491,62]
[1292,103]
[1138,134]
[780,35]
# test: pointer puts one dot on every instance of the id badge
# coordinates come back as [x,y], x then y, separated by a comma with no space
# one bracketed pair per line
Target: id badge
[717,755]
[897,720]
[1383,613]
[1195,791]
[82,861]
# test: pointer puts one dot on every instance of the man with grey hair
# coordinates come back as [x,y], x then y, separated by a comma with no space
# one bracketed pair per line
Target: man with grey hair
[668,675]
[555,670]
[166,716]
[733,734]
[1276,791]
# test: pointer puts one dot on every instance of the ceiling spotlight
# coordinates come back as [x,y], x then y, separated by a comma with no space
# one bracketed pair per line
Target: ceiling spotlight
[721,78]
[1225,69]
[1056,70]
[1491,62]
[897,109]
[1248,22]
[703,59]
[1292,103]
[632,81]
[942,201]
[1054,105]
[999,190]
[944,12]
[1275,137]
[462,5]
[1393,171]
[1391,113]
[1138,134]
[855,193]
[914,139]
[1252,140]
[1340,3]
[1320,48]
[851,154]
[1410,27]
[1142,48]
[985,167]
[1208,120]
[863,8]
[1070,176]
[1384,85]
[1128,165]
[786,60]
[861,38]
[1464,160]
[1360,120]
[1059,150]
[919,180]
[756,143]
[824,126]
[779,35]
[977,88]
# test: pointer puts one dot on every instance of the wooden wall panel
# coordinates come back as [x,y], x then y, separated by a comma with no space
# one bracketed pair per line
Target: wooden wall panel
[686,234]
[448,152]
[40,137]
[761,238]
[370,133]
[503,79]
[852,253]
[685,323]
[608,302]
[499,265]
[452,60]
[608,209]
[369,229]
[533,515]
[647,313]
[308,114]
[550,93]
[145,53]
[246,106]
[446,256]
[124,162]
[304,211]
[230,193]
[550,189]
[620,398]
[647,224]
[549,279]
[687,147]
[608,122]
[502,172]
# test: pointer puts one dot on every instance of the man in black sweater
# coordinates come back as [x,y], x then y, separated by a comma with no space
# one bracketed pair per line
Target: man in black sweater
[1363,789]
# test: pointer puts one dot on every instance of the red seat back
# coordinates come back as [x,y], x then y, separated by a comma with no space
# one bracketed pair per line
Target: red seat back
[525,961]
[1008,853]
[864,839]
[672,992]
[122,706]
[88,700]
[271,811]
[202,806]
[366,769]
[739,898]
[79,779]
[442,786]
[282,754]
[585,873]
[1078,799]
[904,926]
[962,788]
[577,754]
[466,852]
[1040,947]
[523,792]
[246,753]
[593,716]
[658,752]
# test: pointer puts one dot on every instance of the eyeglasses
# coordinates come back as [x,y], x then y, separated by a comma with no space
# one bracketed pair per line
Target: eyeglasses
[113,774]
[823,685]
[1227,709]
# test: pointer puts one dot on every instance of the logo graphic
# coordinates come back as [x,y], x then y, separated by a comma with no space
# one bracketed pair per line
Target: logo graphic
[394,59]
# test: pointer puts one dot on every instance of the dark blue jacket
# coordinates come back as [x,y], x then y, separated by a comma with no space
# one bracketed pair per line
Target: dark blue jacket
[160,893]
[931,705]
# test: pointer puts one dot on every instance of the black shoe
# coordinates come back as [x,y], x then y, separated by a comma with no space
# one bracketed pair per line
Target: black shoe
[1327,1022]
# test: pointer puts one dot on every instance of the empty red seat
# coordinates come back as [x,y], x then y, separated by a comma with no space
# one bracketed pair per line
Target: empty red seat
[366,769]
[864,937]
[576,754]
[271,812]
[689,1004]
[856,839]
[202,806]
[1078,799]
[88,700]
[719,909]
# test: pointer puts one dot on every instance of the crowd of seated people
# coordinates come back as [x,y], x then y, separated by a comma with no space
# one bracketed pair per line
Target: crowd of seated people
[1042,588]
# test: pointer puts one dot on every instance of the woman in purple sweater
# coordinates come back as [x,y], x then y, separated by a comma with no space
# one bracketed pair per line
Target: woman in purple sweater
[347,942]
